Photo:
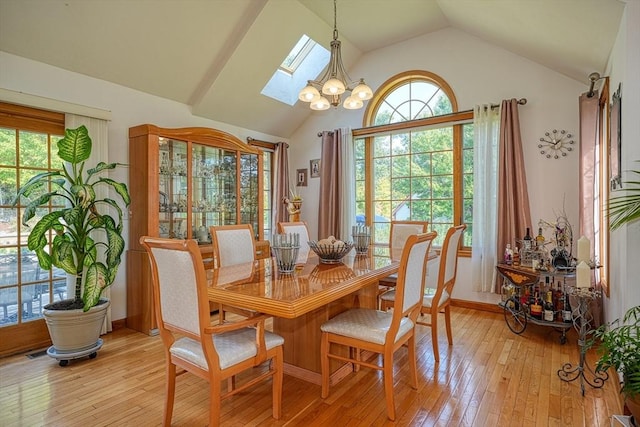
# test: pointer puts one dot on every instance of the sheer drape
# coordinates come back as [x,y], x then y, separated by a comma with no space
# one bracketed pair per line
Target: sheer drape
[329,222]
[589,112]
[347,183]
[281,184]
[486,131]
[514,215]
[98,133]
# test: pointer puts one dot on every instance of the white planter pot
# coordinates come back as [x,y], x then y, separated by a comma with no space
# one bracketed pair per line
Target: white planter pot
[75,331]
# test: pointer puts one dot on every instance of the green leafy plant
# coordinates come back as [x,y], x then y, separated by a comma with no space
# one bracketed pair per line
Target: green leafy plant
[624,209]
[78,221]
[619,347]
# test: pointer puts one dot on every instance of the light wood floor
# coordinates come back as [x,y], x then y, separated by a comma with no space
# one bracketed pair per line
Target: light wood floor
[489,377]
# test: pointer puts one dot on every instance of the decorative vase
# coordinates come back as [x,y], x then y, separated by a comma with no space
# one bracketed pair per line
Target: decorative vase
[75,333]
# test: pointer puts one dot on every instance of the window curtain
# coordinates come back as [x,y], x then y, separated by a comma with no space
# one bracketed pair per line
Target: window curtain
[98,133]
[329,222]
[281,187]
[589,112]
[514,214]
[486,131]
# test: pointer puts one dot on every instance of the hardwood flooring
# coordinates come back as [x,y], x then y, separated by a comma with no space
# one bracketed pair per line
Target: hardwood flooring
[489,377]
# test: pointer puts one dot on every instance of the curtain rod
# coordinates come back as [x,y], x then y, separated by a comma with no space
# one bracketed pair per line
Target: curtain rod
[521,101]
[329,131]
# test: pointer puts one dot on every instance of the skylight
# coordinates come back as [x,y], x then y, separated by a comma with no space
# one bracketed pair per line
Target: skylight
[304,62]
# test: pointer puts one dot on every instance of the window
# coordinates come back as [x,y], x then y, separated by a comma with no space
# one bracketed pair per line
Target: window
[267,192]
[304,62]
[414,161]
[27,144]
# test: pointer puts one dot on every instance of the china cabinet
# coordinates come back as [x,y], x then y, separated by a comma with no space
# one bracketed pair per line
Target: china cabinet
[183,181]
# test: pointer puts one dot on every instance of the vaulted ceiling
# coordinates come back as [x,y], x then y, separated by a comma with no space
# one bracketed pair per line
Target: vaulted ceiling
[216,55]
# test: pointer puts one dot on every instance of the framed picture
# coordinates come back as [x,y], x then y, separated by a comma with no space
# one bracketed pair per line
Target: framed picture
[615,139]
[315,168]
[301,180]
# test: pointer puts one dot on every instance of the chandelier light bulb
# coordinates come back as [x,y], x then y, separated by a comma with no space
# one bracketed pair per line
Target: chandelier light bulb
[362,91]
[352,103]
[320,104]
[309,94]
[333,87]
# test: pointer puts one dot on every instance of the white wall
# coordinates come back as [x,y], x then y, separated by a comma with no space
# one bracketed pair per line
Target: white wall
[478,73]
[624,69]
[128,107]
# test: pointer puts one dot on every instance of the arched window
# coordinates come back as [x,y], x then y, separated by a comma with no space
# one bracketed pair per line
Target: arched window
[414,157]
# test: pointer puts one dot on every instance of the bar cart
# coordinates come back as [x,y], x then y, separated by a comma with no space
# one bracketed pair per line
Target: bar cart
[520,281]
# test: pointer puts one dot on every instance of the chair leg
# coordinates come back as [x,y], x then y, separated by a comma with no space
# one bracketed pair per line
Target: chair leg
[413,369]
[324,364]
[447,320]
[170,393]
[387,362]
[278,365]
[434,334]
[214,402]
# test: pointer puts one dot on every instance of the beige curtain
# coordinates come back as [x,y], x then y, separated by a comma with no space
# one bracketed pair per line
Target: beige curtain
[514,214]
[281,187]
[329,223]
[98,133]
[589,111]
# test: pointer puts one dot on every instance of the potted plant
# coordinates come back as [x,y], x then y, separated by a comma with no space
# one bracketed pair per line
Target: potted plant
[619,347]
[625,209]
[81,228]
[619,344]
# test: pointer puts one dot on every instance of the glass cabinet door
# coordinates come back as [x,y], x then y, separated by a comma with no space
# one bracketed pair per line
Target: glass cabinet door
[214,190]
[173,188]
[249,190]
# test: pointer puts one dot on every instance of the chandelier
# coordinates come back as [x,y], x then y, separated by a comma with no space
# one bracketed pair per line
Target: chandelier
[335,81]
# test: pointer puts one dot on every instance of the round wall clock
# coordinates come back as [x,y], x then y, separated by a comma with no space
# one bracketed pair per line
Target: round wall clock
[556,144]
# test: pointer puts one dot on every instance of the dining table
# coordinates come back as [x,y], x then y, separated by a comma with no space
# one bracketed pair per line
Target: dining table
[303,300]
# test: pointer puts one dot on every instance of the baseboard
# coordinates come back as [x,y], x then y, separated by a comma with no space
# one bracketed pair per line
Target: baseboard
[474,305]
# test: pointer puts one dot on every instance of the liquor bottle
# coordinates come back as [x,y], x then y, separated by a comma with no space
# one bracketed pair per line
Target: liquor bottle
[508,254]
[548,307]
[567,317]
[536,307]
[516,257]
[559,301]
[539,240]
[526,241]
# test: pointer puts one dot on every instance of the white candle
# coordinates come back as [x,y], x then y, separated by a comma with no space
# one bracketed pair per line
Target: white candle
[583,275]
[584,249]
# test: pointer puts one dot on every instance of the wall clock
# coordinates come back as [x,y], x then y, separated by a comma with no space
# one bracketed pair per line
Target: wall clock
[556,144]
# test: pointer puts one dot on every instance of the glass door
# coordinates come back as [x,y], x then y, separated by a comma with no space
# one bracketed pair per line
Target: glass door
[173,189]
[213,189]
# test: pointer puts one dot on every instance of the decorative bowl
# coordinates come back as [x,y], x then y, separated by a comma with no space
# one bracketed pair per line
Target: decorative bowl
[330,254]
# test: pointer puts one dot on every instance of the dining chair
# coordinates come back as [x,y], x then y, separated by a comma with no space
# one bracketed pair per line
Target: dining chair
[379,331]
[400,231]
[192,343]
[302,229]
[437,300]
[232,245]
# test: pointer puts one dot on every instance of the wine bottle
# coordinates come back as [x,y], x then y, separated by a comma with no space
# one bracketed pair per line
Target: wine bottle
[539,240]
[548,307]
[567,316]
[526,241]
